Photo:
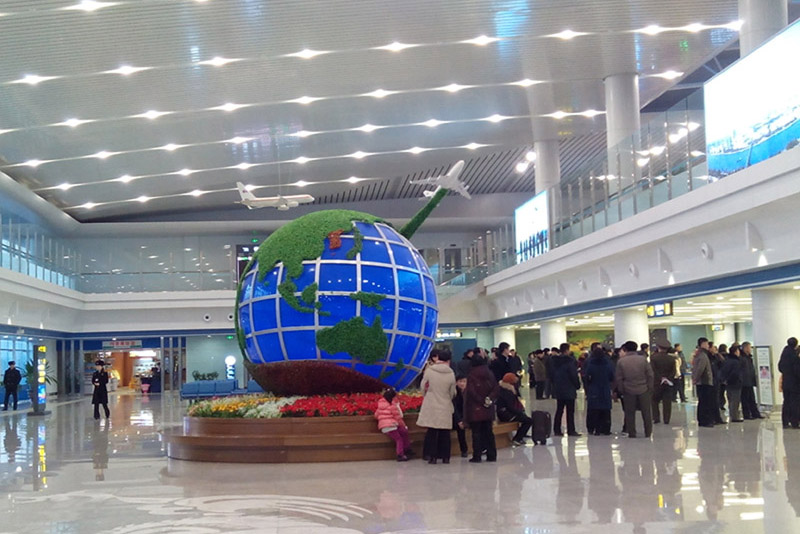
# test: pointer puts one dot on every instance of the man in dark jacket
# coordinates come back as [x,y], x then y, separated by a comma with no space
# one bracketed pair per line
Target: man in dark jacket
[703,379]
[665,367]
[501,364]
[749,404]
[730,375]
[464,366]
[11,380]
[789,366]
[509,408]
[563,373]
[479,398]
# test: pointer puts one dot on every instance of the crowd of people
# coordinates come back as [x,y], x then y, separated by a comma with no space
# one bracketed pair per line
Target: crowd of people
[480,387]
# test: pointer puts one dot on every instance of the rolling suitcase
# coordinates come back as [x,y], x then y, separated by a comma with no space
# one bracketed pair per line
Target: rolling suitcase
[541,427]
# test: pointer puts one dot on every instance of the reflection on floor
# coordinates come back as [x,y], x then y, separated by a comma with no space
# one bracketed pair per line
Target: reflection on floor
[66,473]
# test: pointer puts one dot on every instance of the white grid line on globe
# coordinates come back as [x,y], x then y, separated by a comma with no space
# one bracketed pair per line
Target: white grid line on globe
[281,268]
[396,283]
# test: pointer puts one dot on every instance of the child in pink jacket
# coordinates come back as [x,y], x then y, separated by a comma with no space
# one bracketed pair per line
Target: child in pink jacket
[390,422]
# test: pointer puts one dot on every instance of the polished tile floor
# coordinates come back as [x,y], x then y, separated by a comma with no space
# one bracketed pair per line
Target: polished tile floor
[63,473]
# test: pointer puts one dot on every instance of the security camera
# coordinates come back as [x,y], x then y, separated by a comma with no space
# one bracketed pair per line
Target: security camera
[207,318]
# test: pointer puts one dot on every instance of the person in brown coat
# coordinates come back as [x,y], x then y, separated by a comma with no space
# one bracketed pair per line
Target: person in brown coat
[664,369]
[482,390]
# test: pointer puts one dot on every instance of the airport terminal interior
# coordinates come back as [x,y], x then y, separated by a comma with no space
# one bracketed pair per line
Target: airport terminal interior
[479,173]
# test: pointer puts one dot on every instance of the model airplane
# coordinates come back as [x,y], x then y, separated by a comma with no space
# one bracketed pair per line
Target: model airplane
[281,202]
[448,181]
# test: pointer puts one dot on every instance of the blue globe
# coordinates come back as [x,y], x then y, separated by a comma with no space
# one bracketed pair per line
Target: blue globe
[382,288]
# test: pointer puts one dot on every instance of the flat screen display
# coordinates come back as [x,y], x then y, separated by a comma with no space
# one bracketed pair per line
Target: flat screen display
[752,108]
[532,228]
[659,309]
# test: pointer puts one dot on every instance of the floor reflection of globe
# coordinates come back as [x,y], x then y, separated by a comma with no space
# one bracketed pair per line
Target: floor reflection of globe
[368,302]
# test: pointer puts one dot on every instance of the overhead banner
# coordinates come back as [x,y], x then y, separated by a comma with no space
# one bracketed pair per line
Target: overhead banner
[764,369]
[123,344]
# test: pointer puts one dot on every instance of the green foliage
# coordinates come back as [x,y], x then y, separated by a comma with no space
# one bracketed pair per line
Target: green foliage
[366,343]
[309,294]
[416,221]
[370,300]
[399,366]
[204,376]
[287,290]
[358,243]
[31,374]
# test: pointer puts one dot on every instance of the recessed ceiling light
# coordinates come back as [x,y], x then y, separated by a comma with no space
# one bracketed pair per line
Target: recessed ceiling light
[152,257]
[34,79]
[125,178]
[73,123]
[522,166]
[244,166]
[697,153]
[453,88]
[238,140]
[7,131]
[197,193]
[379,93]
[301,160]
[367,128]
[641,162]
[185,172]
[591,113]
[218,61]
[308,53]
[358,154]
[526,82]
[530,155]
[89,6]
[481,40]
[567,35]
[301,183]
[495,118]
[302,133]
[653,29]
[432,123]
[142,199]
[694,27]
[736,25]
[416,150]
[473,146]
[396,46]
[353,180]
[248,187]
[88,205]
[65,186]
[152,114]
[170,147]
[304,100]
[669,75]
[126,70]
[230,106]
[557,114]
[103,154]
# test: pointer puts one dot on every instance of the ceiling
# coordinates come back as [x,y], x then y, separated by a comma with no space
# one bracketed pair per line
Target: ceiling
[115,110]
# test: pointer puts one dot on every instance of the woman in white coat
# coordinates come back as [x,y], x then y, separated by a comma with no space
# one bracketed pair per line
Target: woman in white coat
[436,413]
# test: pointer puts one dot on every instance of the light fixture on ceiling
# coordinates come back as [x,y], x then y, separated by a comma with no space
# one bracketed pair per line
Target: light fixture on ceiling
[367,128]
[88,6]
[126,70]
[526,82]
[171,147]
[196,193]
[218,61]
[307,53]
[668,75]
[103,154]
[694,27]
[557,114]
[34,79]
[73,123]
[125,178]
[152,114]
[301,133]
[379,93]
[496,118]
[238,140]
[65,186]
[88,205]
[432,123]
[736,25]
[184,172]
[142,199]
[653,29]
[358,154]
[353,180]
[243,166]
[481,40]
[301,160]
[697,153]
[453,87]
[530,155]
[473,146]
[567,35]
[304,100]
[33,163]
[641,162]
[589,113]
[395,46]
[249,187]
[229,106]
[7,130]
[416,150]
[522,166]
[301,183]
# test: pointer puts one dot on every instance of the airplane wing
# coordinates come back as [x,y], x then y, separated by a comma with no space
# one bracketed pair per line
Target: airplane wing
[431,180]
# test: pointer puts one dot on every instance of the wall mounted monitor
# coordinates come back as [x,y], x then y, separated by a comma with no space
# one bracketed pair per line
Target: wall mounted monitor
[532,228]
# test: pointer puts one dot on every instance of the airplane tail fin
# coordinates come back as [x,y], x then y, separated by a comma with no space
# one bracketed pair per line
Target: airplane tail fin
[244,193]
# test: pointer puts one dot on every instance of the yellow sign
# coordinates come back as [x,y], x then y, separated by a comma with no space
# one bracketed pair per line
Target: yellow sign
[41,348]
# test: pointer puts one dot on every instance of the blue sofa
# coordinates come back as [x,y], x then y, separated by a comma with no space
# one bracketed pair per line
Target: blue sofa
[206,389]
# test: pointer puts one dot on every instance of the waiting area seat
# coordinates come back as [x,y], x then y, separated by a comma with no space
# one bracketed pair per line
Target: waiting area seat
[205,389]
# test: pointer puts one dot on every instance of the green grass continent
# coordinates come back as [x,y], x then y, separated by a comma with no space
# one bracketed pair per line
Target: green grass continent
[368,344]
[309,294]
[370,300]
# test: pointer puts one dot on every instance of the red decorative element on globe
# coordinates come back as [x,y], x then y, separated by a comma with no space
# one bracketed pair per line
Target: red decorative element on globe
[335,239]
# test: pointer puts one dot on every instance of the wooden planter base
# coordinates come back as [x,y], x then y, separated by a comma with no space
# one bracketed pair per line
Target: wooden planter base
[298,440]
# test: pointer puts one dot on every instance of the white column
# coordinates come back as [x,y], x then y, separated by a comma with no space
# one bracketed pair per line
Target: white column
[547,164]
[762,19]
[776,318]
[727,335]
[622,107]
[553,333]
[504,334]
[631,325]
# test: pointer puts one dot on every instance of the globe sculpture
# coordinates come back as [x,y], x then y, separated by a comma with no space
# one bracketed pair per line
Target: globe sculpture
[342,287]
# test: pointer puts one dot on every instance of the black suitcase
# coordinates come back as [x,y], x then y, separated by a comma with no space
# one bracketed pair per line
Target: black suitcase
[541,427]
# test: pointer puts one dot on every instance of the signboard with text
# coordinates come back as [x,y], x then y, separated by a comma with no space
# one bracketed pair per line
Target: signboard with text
[123,344]
[764,370]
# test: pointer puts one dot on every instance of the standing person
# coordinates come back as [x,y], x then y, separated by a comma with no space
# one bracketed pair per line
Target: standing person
[501,364]
[749,404]
[731,377]
[664,369]
[480,394]
[515,366]
[509,408]
[100,393]
[436,412]
[458,414]
[462,367]
[564,375]
[539,373]
[11,379]
[719,358]
[635,381]
[644,349]
[391,423]
[598,380]
[703,379]
[548,386]
[789,366]
[680,380]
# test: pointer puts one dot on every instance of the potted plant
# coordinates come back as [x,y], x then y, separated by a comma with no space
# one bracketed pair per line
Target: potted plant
[31,376]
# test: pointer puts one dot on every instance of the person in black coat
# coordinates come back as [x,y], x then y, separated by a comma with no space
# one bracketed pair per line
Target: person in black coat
[598,379]
[509,408]
[100,394]
[502,362]
[11,379]
[479,403]
[731,376]
[458,413]
[749,404]
[789,366]
[563,371]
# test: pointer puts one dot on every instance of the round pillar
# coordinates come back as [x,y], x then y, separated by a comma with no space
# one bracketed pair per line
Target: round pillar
[727,335]
[547,164]
[552,333]
[631,325]
[622,107]
[504,334]
[776,316]
[761,20]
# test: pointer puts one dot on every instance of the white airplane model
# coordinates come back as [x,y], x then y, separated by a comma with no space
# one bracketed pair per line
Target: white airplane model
[448,181]
[281,202]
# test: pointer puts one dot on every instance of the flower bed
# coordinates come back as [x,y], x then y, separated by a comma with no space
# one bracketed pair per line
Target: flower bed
[271,407]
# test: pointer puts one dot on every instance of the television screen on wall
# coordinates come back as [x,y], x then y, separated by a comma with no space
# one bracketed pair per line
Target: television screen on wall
[532,228]
[752,108]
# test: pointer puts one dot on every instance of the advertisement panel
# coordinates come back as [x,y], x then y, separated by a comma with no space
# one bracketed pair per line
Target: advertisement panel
[764,369]
[532,228]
